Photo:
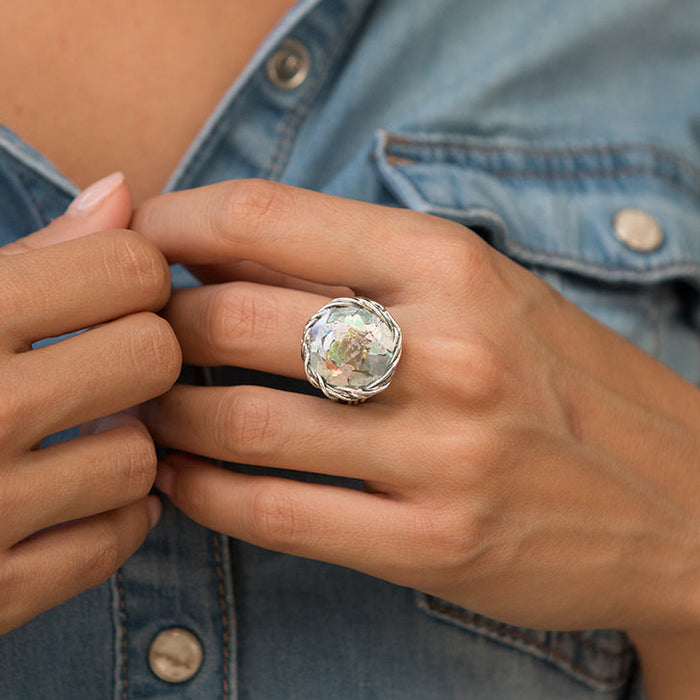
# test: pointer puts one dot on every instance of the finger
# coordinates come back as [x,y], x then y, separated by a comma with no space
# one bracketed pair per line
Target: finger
[101,371]
[106,204]
[266,427]
[329,240]
[59,563]
[72,285]
[79,478]
[243,325]
[338,525]
[248,271]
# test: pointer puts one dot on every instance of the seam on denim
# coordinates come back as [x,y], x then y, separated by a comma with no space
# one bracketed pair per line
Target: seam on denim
[555,653]
[615,272]
[584,173]
[22,154]
[223,110]
[224,616]
[589,644]
[125,636]
[600,173]
[290,124]
[583,266]
[204,150]
[554,151]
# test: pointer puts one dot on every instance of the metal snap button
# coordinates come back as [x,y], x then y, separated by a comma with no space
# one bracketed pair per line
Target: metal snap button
[175,655]
[638,230]
[288,67]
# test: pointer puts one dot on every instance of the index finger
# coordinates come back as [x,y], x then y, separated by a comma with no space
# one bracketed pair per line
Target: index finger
[314,236]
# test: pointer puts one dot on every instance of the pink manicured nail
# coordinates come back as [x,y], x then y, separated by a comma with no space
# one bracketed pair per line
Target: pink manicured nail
[92,197]
[165,478]
[155,510]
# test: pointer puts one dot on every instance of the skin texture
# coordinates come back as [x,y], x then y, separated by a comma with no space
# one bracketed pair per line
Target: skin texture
[74,512]
[497,478]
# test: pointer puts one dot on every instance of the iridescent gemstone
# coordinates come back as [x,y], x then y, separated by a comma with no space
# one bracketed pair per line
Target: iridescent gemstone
[350,346]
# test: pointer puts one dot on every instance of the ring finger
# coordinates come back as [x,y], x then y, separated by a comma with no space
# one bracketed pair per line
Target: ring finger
[270,428]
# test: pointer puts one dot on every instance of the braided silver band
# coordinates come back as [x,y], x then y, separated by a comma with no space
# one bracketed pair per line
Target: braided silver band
[338,390]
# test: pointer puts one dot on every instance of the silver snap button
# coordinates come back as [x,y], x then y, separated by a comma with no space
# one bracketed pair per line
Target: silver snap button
[288,67]
[175,655]
[638,230]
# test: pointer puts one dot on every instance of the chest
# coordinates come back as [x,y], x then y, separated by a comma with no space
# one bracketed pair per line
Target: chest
[102,86]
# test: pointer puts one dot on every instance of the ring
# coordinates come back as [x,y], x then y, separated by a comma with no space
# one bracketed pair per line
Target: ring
[350,348]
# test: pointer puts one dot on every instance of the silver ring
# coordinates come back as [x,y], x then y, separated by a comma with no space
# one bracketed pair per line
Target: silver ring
[350,349]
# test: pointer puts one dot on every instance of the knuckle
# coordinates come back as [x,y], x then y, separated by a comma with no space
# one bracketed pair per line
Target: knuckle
[237,318]
[140,458]
[248,427]
[471,367]
[450,535]
[248,207]
[103,556]
[481,364]
[459,254]
[141,263]
[274,518]
[156,347]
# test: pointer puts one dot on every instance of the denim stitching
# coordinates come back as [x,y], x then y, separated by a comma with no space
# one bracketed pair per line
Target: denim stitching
[204,150]
[505,631]
[561,152]
[224,615]
[291,123]
[574,263]
[601,173]
[589,644]
[624,274]
[123,621]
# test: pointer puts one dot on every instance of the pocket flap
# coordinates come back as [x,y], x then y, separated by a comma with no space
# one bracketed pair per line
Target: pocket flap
[553,204]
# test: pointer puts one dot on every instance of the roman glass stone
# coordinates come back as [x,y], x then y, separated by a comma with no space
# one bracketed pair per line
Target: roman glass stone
[351,347]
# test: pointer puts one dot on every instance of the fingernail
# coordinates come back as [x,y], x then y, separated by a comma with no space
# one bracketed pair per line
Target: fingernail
[92,197]
[165,478]
[155,510]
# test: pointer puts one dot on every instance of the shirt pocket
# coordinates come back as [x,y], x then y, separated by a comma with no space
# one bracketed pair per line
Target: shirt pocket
[602,660]
[553,207]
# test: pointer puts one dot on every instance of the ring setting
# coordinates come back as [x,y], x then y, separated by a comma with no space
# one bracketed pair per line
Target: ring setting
[350,348]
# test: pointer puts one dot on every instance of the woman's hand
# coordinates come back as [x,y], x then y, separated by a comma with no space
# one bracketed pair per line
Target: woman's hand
[73,512]
[525,462]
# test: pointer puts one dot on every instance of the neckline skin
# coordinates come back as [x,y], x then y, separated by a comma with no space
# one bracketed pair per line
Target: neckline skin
[29,151]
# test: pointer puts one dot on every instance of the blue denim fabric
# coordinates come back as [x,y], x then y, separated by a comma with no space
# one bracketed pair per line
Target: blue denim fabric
[531,121]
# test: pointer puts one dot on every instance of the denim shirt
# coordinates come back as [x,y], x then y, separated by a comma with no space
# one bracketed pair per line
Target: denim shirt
[533,122]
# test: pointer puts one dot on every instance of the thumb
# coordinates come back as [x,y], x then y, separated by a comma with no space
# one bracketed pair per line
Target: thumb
[103,205]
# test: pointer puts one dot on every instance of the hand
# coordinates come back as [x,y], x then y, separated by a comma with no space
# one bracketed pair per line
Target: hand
[73,512]
[525,462]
